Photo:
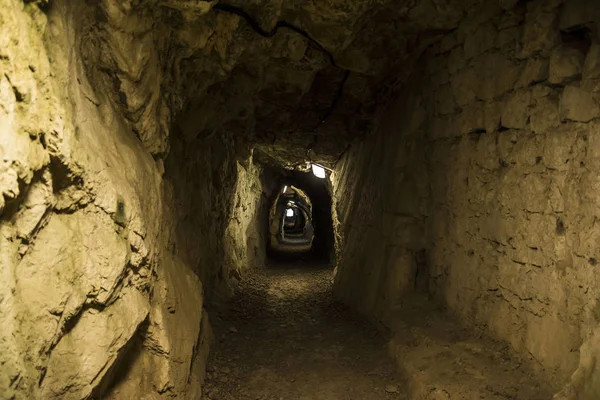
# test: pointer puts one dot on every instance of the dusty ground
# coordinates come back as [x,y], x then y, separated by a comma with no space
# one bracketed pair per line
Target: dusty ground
[284,337]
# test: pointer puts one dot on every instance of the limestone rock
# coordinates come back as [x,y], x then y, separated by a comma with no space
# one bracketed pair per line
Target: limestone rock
[477,15]
[464,86]
[482,40]
[83,356]
[443,127]
[540,33]
[448,42]
[511,199]
[591,69]
[509,39]
[35,207]
[125,174]
[391,389]
[510,20]
[577,13]
[177,324]
[471,119]
[557,151]
[86,243]
[584,383]
[536,70]
[456,60]
[565,64]
[445,103]
[578,105]
[545,115]
[493,115]
[517,110]
[496,75]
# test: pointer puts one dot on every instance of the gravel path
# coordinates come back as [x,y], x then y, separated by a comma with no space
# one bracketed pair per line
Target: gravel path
[283,336]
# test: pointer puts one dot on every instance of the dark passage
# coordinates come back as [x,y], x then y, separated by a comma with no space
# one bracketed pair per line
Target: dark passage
[319,223]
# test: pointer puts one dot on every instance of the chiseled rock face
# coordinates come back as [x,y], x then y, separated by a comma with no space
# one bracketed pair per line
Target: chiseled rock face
[86,353]
[175,341]
[505,233]
[206,70]
[565,64]
[579,105]
[94,287]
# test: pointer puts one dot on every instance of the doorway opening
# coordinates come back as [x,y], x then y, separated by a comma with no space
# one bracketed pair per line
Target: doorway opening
[300,219]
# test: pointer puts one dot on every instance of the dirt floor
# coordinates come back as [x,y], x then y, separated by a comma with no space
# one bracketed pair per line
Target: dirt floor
[283,336]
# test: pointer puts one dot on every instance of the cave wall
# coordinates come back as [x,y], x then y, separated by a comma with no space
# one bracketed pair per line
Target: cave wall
[216,192]
[513,164]
[380,194]
[505,228]
[104,265]
[245,235]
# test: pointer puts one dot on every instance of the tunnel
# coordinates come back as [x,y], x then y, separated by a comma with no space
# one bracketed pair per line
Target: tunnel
[328,200]
[304,202]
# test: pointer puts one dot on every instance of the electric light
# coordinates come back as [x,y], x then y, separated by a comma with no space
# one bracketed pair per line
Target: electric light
[318,171]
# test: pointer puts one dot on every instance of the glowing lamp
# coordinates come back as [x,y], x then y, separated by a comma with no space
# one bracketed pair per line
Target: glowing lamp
[318,171]
[289,212]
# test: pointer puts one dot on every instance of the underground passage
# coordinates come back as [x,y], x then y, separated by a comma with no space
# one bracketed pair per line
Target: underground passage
[300,200]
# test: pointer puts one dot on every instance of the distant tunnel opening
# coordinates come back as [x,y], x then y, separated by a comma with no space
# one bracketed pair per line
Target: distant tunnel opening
[300,223]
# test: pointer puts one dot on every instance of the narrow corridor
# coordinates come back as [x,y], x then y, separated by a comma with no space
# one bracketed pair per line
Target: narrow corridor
[441,156]
[284,337]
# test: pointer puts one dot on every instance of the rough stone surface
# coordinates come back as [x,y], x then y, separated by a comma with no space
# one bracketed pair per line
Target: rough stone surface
[540,33]
[579,105]
[101,260]
[465,367]
[128,194]
[565,65]
[498,221]
[81,359]
[545,114]
[126,166]
[516,110]
[312,86]
[536,70]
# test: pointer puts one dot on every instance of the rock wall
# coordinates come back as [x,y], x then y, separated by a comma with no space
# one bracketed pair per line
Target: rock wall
[105,241]
[215,196]
[513,163]
[505,210]
[246,235]
[381,210]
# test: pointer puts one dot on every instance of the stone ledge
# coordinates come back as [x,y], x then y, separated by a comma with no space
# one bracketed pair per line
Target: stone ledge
[441,362]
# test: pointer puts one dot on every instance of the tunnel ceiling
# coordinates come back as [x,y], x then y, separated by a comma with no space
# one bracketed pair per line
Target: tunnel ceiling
[286,76]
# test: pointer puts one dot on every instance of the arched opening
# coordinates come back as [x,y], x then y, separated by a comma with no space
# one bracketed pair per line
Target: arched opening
[300,222]
[290,222]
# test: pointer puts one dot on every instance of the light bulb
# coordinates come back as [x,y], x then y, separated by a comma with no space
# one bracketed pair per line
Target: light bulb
[318,171]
